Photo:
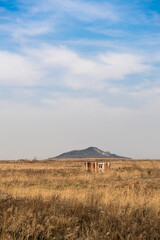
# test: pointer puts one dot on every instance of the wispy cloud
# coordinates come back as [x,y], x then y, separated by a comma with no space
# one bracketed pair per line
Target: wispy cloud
[107,31]
[83,10]
[23,30]
[62,66]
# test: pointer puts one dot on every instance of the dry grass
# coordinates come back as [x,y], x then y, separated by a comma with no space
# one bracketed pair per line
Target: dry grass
[52,200]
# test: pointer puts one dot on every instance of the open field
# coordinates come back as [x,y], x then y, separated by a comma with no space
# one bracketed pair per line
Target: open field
[53,200]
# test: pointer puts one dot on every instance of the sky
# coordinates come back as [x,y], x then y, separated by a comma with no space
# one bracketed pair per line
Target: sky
[79,73]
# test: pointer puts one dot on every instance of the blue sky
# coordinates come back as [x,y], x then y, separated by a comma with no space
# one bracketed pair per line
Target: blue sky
[79,73]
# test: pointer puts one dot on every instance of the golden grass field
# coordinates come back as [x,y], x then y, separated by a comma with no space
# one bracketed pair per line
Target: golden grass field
[59,200]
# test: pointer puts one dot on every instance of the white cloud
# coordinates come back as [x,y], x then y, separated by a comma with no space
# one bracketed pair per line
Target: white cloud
[114,90]
[123,64]
[83,10]
[107,31]
[17,70]
[90,11]
[77,72]
[50,65]
[22,30]
[31,29]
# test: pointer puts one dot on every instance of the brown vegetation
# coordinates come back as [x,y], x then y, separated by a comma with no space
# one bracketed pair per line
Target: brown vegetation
[52,200]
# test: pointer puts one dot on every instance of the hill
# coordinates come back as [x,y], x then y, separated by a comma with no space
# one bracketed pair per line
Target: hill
[91,152]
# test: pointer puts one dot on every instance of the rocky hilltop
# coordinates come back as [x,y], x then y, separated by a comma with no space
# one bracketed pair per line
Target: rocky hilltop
[91,152]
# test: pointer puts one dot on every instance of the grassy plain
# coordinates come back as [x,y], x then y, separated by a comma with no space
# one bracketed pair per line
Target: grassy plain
[52,200]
